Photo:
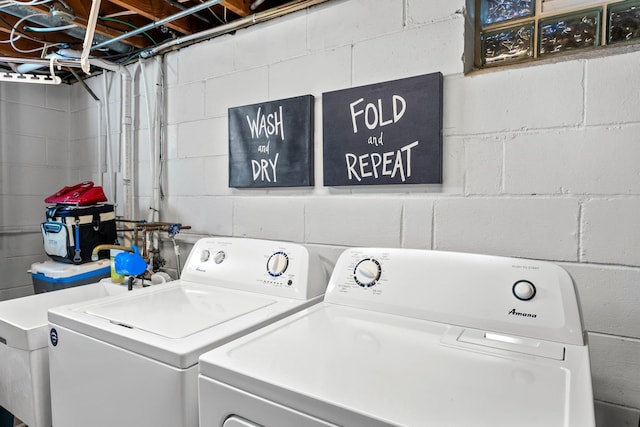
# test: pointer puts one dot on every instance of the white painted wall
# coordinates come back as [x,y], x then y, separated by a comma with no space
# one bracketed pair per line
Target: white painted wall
[540,161]
[34,160]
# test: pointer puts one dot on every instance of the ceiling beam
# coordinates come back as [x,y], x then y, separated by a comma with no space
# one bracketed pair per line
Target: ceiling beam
[156,10]
[239,7]
[112,30]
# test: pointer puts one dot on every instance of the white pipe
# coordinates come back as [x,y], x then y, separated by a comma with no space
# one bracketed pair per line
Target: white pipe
[109,144]
[125,132]
[100,171]
[88,37]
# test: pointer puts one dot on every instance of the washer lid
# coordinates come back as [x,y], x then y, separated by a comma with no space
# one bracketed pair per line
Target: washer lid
[175,322]
[356,367]
[179,311]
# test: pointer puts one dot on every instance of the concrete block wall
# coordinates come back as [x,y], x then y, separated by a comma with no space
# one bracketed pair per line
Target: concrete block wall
[34,163]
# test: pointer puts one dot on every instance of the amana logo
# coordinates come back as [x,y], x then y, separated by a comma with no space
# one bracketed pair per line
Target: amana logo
[513,312]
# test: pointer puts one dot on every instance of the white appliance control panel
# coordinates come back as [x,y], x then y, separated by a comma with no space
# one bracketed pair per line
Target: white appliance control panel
[508,295]
[268,267]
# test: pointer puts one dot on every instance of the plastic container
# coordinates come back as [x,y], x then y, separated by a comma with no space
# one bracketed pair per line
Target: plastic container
[51,275]
[6,418]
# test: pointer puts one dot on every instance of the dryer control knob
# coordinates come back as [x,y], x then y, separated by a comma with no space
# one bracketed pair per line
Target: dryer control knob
[524,290]
[219,257]
[367,272]
[204,255]
[277,264]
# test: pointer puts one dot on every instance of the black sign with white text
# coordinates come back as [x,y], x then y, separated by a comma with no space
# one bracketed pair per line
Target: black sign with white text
[384,133]
[271,144]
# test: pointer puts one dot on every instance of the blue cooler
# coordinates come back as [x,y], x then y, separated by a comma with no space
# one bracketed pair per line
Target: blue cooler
[52,276]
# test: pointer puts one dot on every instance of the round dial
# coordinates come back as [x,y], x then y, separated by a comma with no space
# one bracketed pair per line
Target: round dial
[367,272]
[277,264]
[219,257]
[204,255]
[524,290]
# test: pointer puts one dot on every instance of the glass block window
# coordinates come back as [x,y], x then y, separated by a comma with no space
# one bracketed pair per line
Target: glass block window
[623,21]
[567,32]
[496,11]
[512,31]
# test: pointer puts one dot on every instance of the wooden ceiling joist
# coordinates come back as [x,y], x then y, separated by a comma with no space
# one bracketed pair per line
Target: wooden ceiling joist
[239,7]
[154,9]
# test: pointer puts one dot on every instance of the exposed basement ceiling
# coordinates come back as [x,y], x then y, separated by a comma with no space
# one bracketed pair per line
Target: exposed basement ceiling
[37,28]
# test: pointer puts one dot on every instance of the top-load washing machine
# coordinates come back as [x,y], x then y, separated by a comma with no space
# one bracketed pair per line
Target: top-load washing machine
[413,338]
[132,359]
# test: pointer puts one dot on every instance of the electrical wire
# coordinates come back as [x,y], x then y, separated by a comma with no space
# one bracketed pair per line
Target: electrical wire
[48,29]
[130,25]
[13,31]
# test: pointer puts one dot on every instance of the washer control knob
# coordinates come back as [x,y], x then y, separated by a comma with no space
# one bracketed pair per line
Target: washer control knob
[219,257]
[367,272]
[277,264]
[204,255]
[524,290]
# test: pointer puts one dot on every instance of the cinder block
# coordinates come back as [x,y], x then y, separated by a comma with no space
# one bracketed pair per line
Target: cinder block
[23,180]
[422,50]
[57,152]
[421,12]
[23,245]
[311,74]
[23,149]
[205,60]
[22,211]
[610,97]
[58,97]
[26,94]
[515,99]
[86,123]
[84,153]
[19,118]
[483,164]
[205,215]
[341,23]
[609,297]
[20,291]
[185,177]
[542,228]
[172,142]
[216,176]
[354,221]
[203,138]
[452,165]
[417,218]
[277,218]
[615,369]
[222,92]
[574,162]
[270,42]
[610,232]
[186,102]
[608,414]
[171,66]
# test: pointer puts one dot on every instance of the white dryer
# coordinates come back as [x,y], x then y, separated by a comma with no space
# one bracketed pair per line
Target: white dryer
[132,359]
[413,338]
